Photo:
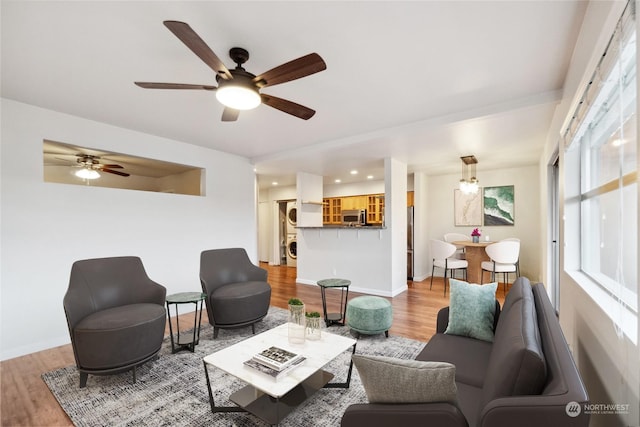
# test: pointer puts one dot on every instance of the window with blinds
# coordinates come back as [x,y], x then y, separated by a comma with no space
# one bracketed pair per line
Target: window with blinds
[603,129]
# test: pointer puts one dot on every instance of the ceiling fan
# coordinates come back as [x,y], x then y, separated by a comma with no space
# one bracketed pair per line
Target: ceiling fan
[91,165]
[239,89]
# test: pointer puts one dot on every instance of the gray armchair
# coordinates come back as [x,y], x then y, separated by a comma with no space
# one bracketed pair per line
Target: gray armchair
[237,290]
[115,314]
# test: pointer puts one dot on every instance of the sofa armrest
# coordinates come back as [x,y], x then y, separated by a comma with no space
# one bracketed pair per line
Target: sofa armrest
[531,411]
[443,320]
[408,414]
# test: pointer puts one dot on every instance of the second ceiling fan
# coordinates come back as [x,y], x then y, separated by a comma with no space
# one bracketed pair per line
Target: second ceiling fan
[239,89]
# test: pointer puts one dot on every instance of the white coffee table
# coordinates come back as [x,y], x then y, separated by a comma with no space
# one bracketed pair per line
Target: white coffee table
[272,399]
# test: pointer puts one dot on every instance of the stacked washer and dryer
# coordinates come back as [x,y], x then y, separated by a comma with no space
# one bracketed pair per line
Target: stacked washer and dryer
[292,243]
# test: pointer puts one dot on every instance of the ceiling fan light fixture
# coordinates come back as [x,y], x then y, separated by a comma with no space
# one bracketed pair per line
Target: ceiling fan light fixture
[86,173]
[238,97]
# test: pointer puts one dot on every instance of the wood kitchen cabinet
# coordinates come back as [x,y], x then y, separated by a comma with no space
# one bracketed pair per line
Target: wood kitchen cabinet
[354,202]
[373,203]
[375,208]
[332,210]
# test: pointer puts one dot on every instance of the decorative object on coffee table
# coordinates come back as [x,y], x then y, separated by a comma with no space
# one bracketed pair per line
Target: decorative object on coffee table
[343,284]
[369,315]
[185,342]
[314,331]
[296,321]
[475,235]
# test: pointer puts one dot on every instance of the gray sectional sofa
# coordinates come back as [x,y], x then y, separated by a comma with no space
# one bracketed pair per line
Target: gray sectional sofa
[525,377]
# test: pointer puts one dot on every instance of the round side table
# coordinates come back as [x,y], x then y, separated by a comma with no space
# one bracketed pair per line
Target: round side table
[343,284]
[186,342]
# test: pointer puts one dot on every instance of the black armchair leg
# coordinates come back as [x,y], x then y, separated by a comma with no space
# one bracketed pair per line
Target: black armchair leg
[432,269]
[83,379]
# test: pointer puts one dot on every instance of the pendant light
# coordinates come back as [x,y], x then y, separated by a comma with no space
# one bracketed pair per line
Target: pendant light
[468,181]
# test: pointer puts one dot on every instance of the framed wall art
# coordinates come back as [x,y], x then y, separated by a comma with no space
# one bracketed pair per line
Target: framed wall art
[499,206]
[467,208]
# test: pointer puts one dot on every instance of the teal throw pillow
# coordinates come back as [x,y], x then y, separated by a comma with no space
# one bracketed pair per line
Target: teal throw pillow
[472,309]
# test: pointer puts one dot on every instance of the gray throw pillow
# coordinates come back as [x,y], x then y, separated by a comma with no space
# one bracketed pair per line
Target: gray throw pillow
[392,380]
[472,309]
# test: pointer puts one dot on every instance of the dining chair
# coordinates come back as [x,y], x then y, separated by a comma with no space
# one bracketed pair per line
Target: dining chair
[504,256]
[457,237]
[441,253]
[514,239]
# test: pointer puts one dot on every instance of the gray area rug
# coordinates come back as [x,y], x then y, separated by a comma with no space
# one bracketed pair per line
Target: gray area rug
[172,391]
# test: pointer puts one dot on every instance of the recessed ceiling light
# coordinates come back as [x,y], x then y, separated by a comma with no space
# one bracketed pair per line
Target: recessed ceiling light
[338,181]
[354,172]
[274,183]
[369,176]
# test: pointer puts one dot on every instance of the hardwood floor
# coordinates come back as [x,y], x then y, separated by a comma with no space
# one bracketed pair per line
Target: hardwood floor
[27,401]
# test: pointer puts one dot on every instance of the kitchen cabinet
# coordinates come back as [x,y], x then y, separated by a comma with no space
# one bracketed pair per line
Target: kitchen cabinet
[354,202]
[375,208]
[374,204]
[332,210]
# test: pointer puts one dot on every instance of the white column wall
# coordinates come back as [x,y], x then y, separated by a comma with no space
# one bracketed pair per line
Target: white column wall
[421,203]
[395,213]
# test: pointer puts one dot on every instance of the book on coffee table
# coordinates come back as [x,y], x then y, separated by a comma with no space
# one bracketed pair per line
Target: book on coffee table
[274,373]
[277,358]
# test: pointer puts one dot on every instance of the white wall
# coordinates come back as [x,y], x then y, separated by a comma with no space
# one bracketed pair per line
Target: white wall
[47,226]
[526,184]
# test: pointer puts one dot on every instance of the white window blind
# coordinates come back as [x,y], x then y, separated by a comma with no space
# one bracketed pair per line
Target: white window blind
[603,127]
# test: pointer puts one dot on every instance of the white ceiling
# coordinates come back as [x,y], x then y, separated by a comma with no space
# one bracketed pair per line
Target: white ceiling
[422,81]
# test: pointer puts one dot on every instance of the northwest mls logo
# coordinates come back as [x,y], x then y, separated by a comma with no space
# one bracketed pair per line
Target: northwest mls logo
[573,409]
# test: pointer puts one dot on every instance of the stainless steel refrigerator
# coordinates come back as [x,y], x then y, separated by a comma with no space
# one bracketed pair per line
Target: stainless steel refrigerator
[410,243]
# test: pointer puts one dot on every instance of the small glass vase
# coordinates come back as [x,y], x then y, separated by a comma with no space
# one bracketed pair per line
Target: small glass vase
[476,239]
[297,324]
[314,331]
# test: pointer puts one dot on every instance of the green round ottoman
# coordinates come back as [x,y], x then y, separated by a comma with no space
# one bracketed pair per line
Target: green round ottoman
[369,315]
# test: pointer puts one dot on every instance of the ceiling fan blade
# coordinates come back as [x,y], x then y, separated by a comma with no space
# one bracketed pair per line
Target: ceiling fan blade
[114,172]
[230,115]
[292,70]
[111,166]
[151,85]
[66,160]
[193,41]
[288,106]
